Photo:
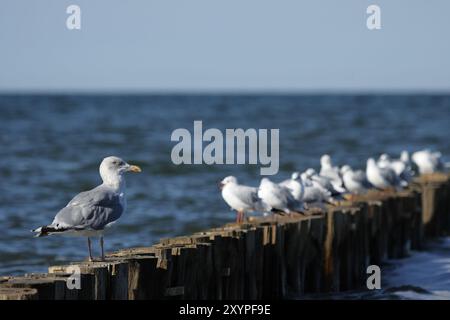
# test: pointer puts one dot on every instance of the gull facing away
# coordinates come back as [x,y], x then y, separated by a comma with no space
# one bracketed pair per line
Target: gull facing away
[295,186]
[381,177]
[240,198]
[90,212]
[278,198]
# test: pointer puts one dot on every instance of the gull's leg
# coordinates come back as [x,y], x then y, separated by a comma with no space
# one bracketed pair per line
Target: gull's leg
[241,216]
[101,246]
[237,216]
[89,248]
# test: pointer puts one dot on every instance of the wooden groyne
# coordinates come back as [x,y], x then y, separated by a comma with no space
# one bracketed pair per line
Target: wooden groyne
[265,258]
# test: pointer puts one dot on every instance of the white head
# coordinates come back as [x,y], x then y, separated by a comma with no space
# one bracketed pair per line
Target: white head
[112,169]
[345,168]
[296,176]
[310,172]
[265,181]
[304,176]
[227,181]
[384,157]
[325,161]
[371,162]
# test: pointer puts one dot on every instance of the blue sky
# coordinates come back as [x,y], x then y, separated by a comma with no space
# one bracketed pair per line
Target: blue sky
[224,45]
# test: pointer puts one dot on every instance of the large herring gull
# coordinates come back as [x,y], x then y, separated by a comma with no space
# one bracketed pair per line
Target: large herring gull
[90,212]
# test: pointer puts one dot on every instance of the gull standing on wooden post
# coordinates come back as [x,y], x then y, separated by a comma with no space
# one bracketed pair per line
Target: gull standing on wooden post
[90,212]
[240,198]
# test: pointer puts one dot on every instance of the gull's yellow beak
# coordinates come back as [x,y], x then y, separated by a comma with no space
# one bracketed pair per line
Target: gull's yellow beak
[134,168]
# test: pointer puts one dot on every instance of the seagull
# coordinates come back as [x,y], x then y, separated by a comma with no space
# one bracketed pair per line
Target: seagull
[400,167]
[329,171]
[314,192]
[355,181]
[427,161]
[278,198]
[89,213]
[384,161]
[295,186]
[381,177]
[325,182]
[241,198]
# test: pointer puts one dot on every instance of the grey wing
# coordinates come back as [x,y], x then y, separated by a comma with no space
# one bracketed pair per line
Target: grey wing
[248,195]
[292,203]
[92,209]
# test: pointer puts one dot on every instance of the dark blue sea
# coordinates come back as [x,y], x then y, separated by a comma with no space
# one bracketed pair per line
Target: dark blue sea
[51,147]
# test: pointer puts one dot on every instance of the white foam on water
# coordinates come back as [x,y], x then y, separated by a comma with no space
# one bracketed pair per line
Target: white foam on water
[425,275]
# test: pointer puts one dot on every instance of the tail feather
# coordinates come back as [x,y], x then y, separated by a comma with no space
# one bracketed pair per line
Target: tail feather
[47,230]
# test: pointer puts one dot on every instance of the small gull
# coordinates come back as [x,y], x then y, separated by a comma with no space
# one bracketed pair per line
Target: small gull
[278,198]
[325,182]
[384,161]
[329,171]
[315,194]
[402,168]
[90,212]
[427,161]
[240,197]
[381,177]
[355,181]
[295,186]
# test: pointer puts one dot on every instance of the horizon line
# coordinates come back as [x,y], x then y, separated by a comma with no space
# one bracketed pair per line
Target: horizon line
[251,92]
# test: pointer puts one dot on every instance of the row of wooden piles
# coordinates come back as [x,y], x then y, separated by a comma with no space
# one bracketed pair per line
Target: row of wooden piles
[265,258]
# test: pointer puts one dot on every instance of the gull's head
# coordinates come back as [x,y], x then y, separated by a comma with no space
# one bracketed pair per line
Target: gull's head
[325,160]
[345,168]
[296,176]
[371,162]
[226,181]
[112,168]
[384,157]
[310,172]
[265,182]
